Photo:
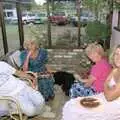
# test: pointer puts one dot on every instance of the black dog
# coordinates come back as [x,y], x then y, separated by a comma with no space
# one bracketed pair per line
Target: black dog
[65,79]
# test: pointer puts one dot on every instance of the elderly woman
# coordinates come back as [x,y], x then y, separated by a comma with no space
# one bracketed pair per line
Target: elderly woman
[109,102]
[34,59]
[95,82]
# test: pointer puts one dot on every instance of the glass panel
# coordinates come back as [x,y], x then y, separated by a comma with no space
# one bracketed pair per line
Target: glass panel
[11,26]
[1,44]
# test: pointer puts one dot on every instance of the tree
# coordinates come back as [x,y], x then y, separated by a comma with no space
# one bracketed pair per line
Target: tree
[96,6]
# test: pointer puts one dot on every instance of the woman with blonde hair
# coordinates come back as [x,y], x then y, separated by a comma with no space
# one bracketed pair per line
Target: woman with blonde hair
[108,102]
[112,85]
[98,73]
[35,59]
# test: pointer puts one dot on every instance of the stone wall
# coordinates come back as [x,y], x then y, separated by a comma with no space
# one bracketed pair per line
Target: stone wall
[67,59]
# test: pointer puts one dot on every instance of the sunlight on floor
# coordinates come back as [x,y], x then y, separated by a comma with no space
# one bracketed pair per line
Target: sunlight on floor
[55,104]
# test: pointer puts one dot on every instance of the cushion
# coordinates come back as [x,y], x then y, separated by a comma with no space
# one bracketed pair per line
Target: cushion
[14,59]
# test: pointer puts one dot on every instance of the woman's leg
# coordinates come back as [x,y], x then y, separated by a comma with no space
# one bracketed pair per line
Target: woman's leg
[46,87]
[42,87]
[51,87]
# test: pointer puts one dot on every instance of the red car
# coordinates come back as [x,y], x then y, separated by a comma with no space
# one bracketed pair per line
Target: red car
[58,18]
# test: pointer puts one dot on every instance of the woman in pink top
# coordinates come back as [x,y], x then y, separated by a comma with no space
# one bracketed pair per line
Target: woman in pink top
[98,74]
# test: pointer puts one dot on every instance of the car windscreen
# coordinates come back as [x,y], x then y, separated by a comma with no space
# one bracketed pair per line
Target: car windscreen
[59,14]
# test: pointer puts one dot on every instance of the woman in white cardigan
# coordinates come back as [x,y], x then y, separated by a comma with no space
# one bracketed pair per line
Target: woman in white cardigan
[31,101]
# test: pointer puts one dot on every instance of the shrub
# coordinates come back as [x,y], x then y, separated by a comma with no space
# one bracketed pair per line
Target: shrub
[97,31]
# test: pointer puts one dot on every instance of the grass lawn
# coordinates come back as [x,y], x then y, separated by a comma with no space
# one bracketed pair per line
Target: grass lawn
[13,36]
[29,31]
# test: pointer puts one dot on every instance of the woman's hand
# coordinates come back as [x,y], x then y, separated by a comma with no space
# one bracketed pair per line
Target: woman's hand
[34,74]
[87,82]
[28,77]
[26,62]
[31,77]
[32,80]
[29,54]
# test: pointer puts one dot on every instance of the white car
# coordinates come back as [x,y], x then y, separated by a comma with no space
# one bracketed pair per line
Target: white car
[35,18]
[14,20]
[26,18]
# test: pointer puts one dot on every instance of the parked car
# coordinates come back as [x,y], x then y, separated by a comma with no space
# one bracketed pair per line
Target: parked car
[84,19]
[35,18]
[14,20]
[26,18]
[41,18]
[58,18]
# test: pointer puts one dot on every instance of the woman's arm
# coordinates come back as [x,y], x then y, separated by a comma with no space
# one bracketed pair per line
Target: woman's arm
[24,75]
[88,82]
[114,92]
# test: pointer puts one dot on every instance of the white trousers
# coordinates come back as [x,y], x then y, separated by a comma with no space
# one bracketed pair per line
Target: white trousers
[31,101]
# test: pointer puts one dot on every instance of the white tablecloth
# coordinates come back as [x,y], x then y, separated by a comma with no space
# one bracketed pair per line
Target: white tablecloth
[72,110]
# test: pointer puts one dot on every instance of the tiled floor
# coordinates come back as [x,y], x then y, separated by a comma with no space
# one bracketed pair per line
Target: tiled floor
[55,104]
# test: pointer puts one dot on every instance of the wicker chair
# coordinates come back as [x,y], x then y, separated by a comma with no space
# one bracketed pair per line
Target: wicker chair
[17,115]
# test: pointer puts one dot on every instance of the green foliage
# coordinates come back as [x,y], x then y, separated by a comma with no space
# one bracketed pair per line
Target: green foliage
[96,6]
[97,31]
[116,5]
[39,34]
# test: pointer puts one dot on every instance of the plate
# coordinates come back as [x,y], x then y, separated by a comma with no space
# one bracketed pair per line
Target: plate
[89,102]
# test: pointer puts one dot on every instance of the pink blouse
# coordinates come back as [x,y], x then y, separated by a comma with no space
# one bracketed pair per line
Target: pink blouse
[100,71]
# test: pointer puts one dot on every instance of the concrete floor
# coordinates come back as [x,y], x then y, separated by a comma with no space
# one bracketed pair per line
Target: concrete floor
[56,104]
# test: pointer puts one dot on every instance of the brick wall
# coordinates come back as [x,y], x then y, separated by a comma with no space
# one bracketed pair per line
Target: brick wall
[67,59]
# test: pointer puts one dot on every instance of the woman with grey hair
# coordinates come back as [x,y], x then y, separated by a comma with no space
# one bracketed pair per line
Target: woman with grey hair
[34,59]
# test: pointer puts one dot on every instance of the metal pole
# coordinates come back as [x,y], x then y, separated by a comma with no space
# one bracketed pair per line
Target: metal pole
[78,15]
[109,22]
[20,24]
[49,26]
[53,7]
[2,23]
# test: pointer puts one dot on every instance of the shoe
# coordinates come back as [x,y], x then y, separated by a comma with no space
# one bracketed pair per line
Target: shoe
[48,115]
